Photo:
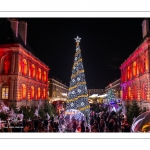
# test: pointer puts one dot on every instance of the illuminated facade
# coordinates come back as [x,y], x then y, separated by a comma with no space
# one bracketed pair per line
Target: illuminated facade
[95,91]
[57,93]
[116,86]
[23,77]
[57,90]
[94,95]
[135,72]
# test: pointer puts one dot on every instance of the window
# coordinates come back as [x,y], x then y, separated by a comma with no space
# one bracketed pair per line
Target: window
[5,91]
[23,91]
[44,76]
[32,70]
[128,72]
[39,75]
[39,92]
[129,93]
[20,66]
[44,93]
[134,69]
[32,92]
[141,67]
[24,67]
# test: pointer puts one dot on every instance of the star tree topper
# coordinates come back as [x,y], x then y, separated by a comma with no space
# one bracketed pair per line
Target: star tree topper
[77,39]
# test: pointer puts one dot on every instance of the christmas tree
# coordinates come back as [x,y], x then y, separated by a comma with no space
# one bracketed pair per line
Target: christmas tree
[78,94]
[111,96]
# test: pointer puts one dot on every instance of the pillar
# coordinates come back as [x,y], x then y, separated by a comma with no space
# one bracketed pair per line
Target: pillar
[16,89]
[12,69]
[11,89]
[16,63]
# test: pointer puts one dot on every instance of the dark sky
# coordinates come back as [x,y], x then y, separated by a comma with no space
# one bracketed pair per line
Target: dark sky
[105,44]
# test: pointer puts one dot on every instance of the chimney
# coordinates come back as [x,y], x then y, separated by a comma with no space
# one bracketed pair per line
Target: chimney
[145,27]
[23,31]
[14,26]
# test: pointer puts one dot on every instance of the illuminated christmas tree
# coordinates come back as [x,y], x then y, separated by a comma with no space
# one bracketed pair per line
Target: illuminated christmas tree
[111,96]
[78,94]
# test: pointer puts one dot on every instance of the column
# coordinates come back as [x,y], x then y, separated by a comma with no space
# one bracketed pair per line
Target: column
[12,63]
[16,63]
[16,89]
[11,89]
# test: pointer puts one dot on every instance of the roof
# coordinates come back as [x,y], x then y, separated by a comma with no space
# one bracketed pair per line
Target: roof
[7,36]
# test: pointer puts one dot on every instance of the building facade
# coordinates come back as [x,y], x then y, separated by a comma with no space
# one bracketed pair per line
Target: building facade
[57,90]
[23,77]
[93,95]
[57,94]
[116,87]
[95,91]
[135,72]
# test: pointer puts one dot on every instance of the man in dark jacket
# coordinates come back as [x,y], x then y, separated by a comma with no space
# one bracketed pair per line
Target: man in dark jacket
[82,126]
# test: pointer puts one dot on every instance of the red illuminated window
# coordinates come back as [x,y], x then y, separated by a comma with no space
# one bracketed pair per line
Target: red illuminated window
[24,67]
[39,74]
[44,76]
[134,69]
[128,72]
[32,70]
[44,93]
[39,93]
[129,93]
[32,92]
[23,91]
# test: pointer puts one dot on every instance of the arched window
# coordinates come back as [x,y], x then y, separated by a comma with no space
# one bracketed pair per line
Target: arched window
[32,92]
[5,91]
[134,69]
[44,93]
[39,93]
[23,91]
[20,67]
[129,93]
[24,67]
[141,67]
[32,70]
[128,72]
[44,76]
[39,74]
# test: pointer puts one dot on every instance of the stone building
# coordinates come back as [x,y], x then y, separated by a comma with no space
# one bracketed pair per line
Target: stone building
[57,90]
[135,72]
[116,87]
[57,94]
[23,77]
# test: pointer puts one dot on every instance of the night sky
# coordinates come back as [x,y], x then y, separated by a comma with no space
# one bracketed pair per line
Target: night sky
[105,44]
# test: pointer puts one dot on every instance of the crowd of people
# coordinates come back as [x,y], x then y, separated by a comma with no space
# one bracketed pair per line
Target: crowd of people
[99,122]
[109,122]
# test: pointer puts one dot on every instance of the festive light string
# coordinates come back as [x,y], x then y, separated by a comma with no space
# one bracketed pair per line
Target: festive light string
[79,83]
[80,71]
[74,99]
[83,108]
[77,52]
[80,60]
